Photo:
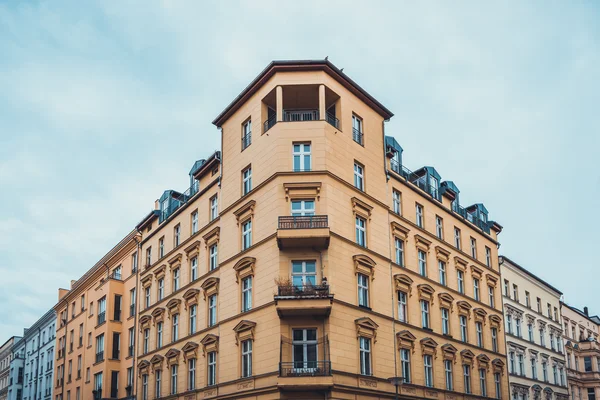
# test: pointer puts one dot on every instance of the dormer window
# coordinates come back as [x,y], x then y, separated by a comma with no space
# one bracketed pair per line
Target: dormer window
[433,186]
[164,208]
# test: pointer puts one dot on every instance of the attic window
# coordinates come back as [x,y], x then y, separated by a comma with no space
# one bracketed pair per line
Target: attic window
[149,228]
[215,171]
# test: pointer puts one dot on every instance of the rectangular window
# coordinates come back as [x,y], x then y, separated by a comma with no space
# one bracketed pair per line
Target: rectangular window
[246,181]
[101,310]
[591,393]
[361,231]
[212,310]
[357,129]
[397,202]
[521,362]
[302,157]
[176,235]
[213,257]
[479,330]
[482,383]
[419,215]
[157,383]
[422,262]
[134,262]
[212,368]
[495,339]
[363,290]
[191,374]
[445,321]
[405,364]
[425,314]
[149,256]
[549,311]
[402,310]
[194,268]
[442,268]
[476,295]
[132,301]
[304,273]
[448,373]
[539,307]
[399,247]
[515,292]
[214,207]
[161,247]
[473,248]
[545,371]
[98,381]
[587,364]
[542,338]
[488,257]
[365,356]
[467,378]
[194,222]
[428,366]
[359,178]
[246,358]
[193,310]
[506,290]
[246,234]
[463,328]
[174,379]
[457,238]
[534,368]
[460,275]
[116,346]
[147,296]
[439,227]
[301,208]
[100,348]
[160,289]
[176,279]
[145,387]
[247,294]
[175,327]
[498,385]
[246,134]
[159,335]
[491,296]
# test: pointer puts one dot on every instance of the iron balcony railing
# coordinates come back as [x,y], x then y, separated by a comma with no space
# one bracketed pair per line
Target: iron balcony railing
[269,123]
[300,115]
[246,140]
[357,136]
[304,368]
[303,222]
[101,317]
[303,291]
[99,356]
[332,120]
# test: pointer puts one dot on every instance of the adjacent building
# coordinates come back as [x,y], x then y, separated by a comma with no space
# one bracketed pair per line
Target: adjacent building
[32,370]
[6,356]
[581,334]
[534,345]
[96,329]
[305,260]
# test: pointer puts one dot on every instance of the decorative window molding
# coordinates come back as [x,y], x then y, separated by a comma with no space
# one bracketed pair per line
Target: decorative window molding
[145,321]
[426,292]
[467,357]
[483,361]
[244,330]
[449,352]
[400,231]
[366,327]
[428,346]
[192,250]
[361,208]
[364,265]
[157,362]
[158,315]
[498,366]
[172,357]
[175,261]
[460,264]
[143,367]
[464,308]
[302,190]
[495,321]
[442,254]
[159,273]
[244,212]
[476,272]
[403,283]
[491,280]
[147,281]
[191,297]
[405,340]
[512,311]
[190,350]
[480,314]
[445,300]
[173,306]
[210,287]
[244,268]
[209,343]
[422,243]
[212,237]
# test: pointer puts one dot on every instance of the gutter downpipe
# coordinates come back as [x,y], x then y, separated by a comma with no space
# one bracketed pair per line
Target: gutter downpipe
[137,280]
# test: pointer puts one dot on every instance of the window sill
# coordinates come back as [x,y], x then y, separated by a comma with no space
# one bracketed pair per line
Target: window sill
[365,307]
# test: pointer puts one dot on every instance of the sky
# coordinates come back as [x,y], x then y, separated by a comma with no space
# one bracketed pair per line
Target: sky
[105,104]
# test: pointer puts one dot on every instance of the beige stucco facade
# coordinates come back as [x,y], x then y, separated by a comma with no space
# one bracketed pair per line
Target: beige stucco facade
[94,317]
[534,345]
[581,335]
[251,301]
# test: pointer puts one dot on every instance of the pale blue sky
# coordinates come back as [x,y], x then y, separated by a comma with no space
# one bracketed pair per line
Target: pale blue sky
[103,105]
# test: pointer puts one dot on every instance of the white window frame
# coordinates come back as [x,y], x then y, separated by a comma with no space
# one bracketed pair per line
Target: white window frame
[213,256]
[467,379]
[425,310]
[363,290]
[300,155]
[191,374]
[214,207]
[246,181]
[419,215]
[176,279]
[194,222]
[399,251]
[212,310]
[194,268]
[457,238]
[175,327]
[360,225]
[247,294]
[247,234]
[442,270]
[464,332]
[460,278]
[159,335]
[445,321]
[405,364]
[161,289]
[304,210]
[439,227]
[246,358]
[397,202]
[428,370]
[448,374]
[366,366]
[402,306]
[482,382]
[174,371]
[212,368]
[193,318]
[479,331]
[359,176]
[476,293]
[422,256]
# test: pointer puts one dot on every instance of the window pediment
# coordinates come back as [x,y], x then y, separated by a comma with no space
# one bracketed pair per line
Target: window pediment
[175,260]
[212,236]
[244,267]
[403,282]
[210,343]
[172,356]
[210,286]
[191,297]
[491,280]
[143,367]
[158,314]
[467,356]
[460,264]
[480,314]
[422,243]
[173,306]
[302,190]
[366,327]
[476,272]
[244,212]
[405,340]
[449,351]
[495,320]
[399,231]
[426,292]
[428,346]
[364,265]
[145,321]
[498,365]
[483,360]
[442,254]
[463,307]
[361,208]
[190,350]
[147,281]
[446,300]
[192,250]
[244,330]
[159,273]
[157,361]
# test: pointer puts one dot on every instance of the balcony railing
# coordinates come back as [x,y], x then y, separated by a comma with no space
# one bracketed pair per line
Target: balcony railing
[246,140]
[332,120]
[305,368]
[269,123]
[357,136]
[99,356]
[101,317]
[303,291]
[303,222]
[300,115]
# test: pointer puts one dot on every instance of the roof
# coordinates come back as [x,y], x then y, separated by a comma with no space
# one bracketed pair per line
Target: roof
[301,65]
[595,319]
[517,266]
[390,141]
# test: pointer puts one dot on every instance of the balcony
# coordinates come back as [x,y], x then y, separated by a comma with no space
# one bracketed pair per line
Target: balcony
[311,372]
[101,318]
[357,136]
[292,300]
[303,231]
[99,356]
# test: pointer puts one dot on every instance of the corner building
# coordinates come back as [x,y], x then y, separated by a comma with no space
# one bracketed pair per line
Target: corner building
[306,261]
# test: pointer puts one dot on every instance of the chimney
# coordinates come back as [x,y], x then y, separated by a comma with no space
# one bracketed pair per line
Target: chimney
[156,205]
[585,311]
[72,283]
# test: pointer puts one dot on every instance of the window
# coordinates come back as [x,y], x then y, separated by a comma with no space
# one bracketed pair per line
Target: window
[549,311]
[419,215]
[476,289]
[134,262]
[587,364]
[214,207]
[100,348]
[161,289]
[397,202]
[467,378]
[98,381]
[591,394]
[146,340]
[361,231]
[212,368]
[534,368]
[213,257]
[359,179]
[482,384]
[460,275]
[491,296]
[399,246]
[174,379]
[515,292]
[497,385]
[457,238]
[145,387]
[402,310]
[147,296]
[463,328]
[191,374]
[425,314]
[132,298]
[509,324]
[303,208]
[518,327]
[448,373]
[479,330]
[365,356]
[161,247]
[131,341]
[247,294]
[116,349]
[495,339]
[520,360]
[473,248]
[555,374]
[194,222]
[539,307]
[363,290]
[357,129]
[212,310]
[246,134]
[194,268]
[439,227]
[101,310]
[506,290]
[157,377]
[552,341]
[193,311]
[302,157]
[545,371]
[422,263]
[555,314]
[405,364]
[488,257]
[176,279]
[442,268]
[304,273]
[176,235]
[445,321]
[246,234]
[246,358]
[246,181]
[175,327]
[542,338]
[428,365]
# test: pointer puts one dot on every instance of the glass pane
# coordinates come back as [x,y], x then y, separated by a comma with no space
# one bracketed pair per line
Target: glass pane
[296,266]
[298,334]
[296,162]
[298,355]
[310,266]
[311,334]
[307,162]
[309,205]
[297,281]
[307,148]
[311,352]
[311,280]
[296,205]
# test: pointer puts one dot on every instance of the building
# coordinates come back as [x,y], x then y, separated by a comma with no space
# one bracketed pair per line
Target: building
[6,356]
[95,329]
[33,367]
[581,333]
[536,359]
[306,261]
